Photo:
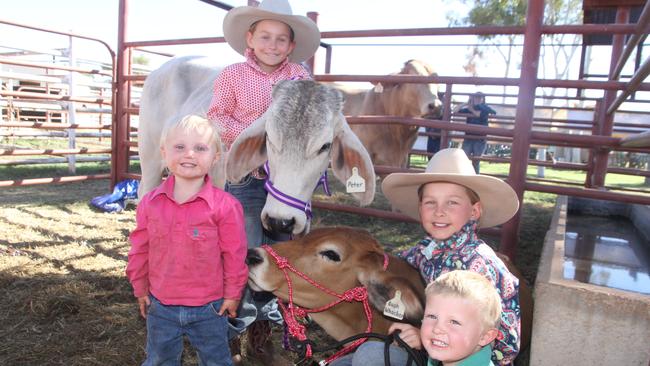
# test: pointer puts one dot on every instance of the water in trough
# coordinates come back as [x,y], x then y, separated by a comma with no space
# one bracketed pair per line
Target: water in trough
[606,251]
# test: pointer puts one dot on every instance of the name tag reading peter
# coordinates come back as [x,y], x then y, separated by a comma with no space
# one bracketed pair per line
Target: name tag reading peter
[356,183]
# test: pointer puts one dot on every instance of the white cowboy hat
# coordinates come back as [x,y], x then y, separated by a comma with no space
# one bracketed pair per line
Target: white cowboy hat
[239,20]
[498,200]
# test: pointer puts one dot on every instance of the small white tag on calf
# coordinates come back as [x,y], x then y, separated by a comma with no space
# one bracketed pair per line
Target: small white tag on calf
[395,307]
[356,183]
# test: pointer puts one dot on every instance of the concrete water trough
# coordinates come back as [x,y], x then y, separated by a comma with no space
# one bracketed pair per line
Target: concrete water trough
[592,293]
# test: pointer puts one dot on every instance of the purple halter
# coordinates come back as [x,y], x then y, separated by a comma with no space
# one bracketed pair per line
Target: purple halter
[292,201]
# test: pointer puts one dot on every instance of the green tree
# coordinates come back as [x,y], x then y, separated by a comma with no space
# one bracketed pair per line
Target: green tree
[513,13]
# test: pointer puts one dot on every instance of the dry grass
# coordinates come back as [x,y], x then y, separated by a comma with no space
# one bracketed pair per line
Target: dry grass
[64,299]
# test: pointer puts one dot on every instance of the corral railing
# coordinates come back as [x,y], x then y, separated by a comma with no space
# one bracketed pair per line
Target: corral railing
[521,130]
[519,125]
[42,99]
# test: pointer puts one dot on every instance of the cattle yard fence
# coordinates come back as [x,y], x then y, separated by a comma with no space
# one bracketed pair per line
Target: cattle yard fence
[527,119]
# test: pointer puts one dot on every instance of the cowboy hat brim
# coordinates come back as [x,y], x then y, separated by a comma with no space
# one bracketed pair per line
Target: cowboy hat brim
[238,21]
[499,201]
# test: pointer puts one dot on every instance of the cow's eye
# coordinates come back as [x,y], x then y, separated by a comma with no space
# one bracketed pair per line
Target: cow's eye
[331,255]
[325,147]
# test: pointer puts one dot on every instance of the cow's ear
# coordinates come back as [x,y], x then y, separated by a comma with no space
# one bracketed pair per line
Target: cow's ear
[348,152]
[248,152]
[382,288]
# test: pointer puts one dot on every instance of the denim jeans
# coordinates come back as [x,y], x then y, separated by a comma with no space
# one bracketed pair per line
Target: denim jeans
[371,353]
[251,194]
[205,328]
[474,147]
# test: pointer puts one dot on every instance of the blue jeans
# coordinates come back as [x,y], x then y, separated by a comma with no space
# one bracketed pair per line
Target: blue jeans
[371,353]
[205,328]
[474,147]
[251,194]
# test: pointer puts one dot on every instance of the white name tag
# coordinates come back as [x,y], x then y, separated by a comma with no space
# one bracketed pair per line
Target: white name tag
[395,307]
[356,183]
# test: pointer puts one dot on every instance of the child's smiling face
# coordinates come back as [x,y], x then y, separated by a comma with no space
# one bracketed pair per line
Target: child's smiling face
[445,208]
[189,154]
[452,328]
[271,42]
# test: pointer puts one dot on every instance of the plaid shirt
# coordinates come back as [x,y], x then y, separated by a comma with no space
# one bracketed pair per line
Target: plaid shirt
[466,251]
[242,93]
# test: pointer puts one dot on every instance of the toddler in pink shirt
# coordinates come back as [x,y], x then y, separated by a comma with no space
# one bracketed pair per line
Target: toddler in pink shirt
[187,258]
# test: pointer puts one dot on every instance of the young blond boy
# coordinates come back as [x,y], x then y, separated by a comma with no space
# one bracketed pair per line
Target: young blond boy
[186,262]
[462,314]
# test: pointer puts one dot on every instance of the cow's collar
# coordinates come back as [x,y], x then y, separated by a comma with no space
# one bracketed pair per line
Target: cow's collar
[291,312]
[292,201]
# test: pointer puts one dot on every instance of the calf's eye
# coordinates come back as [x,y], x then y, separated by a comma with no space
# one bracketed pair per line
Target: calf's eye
[325,147]
[331,255]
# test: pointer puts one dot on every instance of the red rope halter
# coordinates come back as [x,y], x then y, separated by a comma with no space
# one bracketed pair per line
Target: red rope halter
[297,329]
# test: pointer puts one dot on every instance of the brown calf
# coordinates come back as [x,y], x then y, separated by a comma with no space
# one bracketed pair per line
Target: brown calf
[340,259]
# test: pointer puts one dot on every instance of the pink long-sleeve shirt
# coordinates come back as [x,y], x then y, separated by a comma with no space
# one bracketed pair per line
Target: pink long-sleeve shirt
[190,253]
[242,93]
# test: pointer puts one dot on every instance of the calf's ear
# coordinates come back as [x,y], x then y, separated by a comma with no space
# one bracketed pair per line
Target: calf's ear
[248,151]
[348,152]
[382,287]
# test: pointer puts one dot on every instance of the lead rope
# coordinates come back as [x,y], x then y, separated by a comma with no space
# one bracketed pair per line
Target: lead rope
[298,330]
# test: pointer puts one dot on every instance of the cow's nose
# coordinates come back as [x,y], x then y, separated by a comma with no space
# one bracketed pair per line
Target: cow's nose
[281,225]
[253,257]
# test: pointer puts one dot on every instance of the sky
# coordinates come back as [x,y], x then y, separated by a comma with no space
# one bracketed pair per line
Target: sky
[174,19]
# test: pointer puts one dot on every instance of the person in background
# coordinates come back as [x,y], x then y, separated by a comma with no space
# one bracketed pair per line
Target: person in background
[461,317]
[274,42]
[478,113]
[187,258]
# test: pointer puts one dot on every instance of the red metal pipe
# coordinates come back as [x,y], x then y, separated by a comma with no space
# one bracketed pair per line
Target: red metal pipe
[569,84]
[589,193]
[54,126]
[120,156]
[483,30]
[310,62]
[56,180]
[45,96]
[642,28]
[523,120]
[605,123]
[7,61]
[23,152]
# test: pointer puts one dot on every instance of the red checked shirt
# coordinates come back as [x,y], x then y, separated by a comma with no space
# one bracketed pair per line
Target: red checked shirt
[190,253]
[242,93]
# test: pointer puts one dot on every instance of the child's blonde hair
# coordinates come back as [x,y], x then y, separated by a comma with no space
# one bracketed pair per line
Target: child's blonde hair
[471,286]
[195,123]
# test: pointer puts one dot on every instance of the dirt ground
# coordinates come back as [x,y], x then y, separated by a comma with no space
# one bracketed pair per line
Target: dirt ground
[64,299]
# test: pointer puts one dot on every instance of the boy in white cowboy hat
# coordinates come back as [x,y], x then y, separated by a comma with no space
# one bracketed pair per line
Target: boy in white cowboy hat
[274,42]
[451,201]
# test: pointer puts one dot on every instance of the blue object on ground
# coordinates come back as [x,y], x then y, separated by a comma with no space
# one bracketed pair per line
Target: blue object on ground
[116,201]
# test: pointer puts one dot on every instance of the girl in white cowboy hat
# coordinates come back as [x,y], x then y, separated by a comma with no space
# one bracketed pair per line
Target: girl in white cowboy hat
[451,201]
[274,42]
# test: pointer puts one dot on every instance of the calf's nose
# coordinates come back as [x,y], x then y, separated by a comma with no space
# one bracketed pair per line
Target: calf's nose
[281,225]
[253,257]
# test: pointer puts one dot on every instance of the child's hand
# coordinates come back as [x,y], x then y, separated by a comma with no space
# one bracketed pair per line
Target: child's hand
[229,306]
[408,333]
[144,303]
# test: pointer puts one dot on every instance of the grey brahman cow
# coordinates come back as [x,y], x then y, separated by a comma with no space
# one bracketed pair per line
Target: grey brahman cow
[301,132]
